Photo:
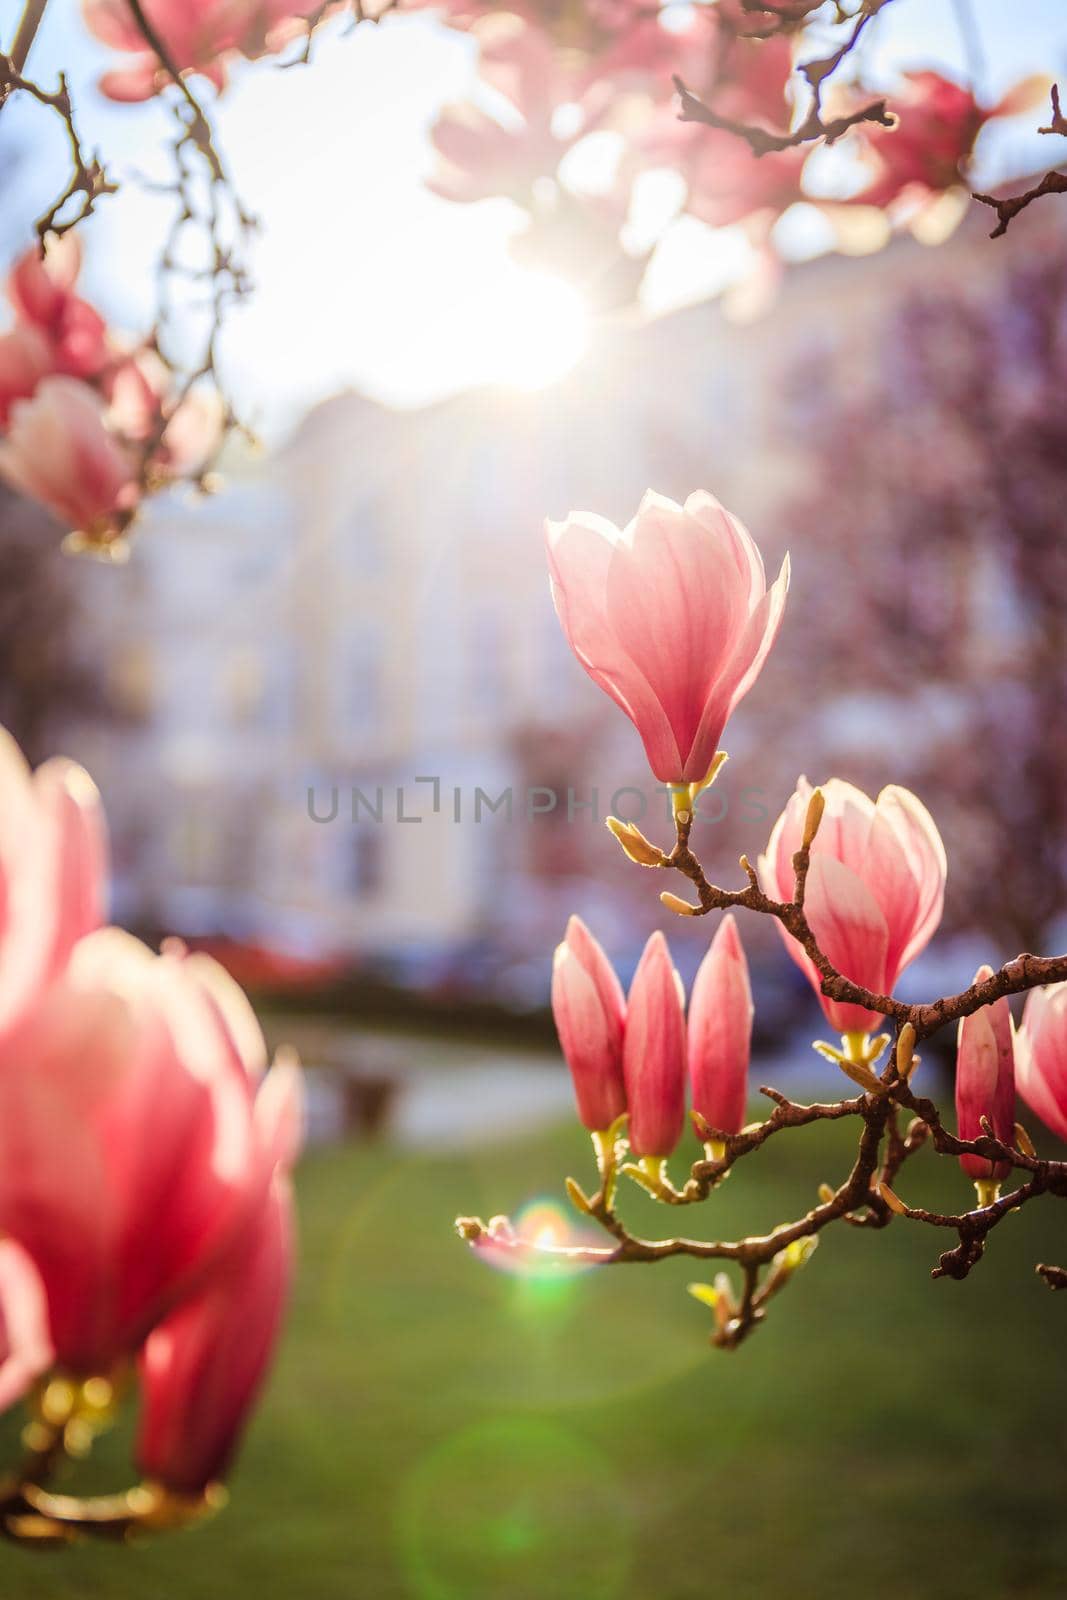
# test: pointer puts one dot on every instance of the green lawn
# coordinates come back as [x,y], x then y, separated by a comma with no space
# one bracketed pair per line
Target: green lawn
[441,1431]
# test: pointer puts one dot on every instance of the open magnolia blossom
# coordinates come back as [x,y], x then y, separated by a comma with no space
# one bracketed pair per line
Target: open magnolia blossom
[875,887]
[671,617]
[144,1152]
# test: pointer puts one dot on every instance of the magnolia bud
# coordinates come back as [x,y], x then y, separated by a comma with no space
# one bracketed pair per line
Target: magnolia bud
[813,816]
[637,847]
[654,1053]
[681,907]
[906,1052]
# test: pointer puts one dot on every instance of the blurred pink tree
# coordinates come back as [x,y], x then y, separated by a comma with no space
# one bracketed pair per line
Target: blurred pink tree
[935,491]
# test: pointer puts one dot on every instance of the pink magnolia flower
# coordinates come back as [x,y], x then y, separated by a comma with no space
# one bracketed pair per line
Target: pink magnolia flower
[590,1013]
[25,1345]
[1041,1055]
[654,1052]
[875,888]
[52,870]
[985,1081]
[41,290]
[202,1368]
[672,618]
[60,452]
[128,1156]
[938,125]
[199,35]
[720,1031]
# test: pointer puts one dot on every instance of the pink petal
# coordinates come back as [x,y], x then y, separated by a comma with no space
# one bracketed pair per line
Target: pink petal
[850,931]
[580,553]
[676,603]
[924,853]
[25,1343]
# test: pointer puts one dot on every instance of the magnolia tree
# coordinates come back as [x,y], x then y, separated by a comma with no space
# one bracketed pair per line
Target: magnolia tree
[144,1144]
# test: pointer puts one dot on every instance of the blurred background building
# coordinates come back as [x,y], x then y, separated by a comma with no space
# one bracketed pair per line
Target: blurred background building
[358,627]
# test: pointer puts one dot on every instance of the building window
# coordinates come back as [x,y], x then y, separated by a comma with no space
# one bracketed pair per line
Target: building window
[362,690]
[362,535]
[260,688]
[366,862]
[485,664]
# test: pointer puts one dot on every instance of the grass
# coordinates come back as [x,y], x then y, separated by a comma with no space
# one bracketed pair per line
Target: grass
[440,1431]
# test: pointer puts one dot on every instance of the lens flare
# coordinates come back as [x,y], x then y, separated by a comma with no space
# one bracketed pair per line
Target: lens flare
[545,1224]
[505,1508]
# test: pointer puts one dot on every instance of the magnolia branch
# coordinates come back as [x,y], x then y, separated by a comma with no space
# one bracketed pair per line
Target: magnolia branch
[1052,183]
[866,1197]
[88,179]
[763,141]
[1015,977]
[214,209]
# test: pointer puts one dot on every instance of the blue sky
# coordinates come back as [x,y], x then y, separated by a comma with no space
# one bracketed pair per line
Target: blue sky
[364,278]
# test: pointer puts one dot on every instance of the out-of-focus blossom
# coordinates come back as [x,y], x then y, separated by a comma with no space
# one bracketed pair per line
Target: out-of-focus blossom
[1041,1056]
[52,869]
[200,36]
[25,358]
[654,1053]
[671,617]
[938,124]
[25,1345]
[128,1154]
[60,451]
[875,887]
[41,290]
[720,1031]
[985,1081]
[145,1149]
[202,1367]
[481,159]
[482,156]
[90,425]
[748,82]
[590,1012]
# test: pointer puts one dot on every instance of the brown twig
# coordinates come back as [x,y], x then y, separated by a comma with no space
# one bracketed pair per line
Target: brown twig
[88,177]
[1052,183]
[215,210]
[1024,972]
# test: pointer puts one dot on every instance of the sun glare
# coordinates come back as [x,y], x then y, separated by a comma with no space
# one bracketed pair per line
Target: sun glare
[532,329]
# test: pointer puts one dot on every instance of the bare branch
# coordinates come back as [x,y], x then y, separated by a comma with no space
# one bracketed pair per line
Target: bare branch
[88,177]
[1052,183]
[1007,210]
[763,141]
